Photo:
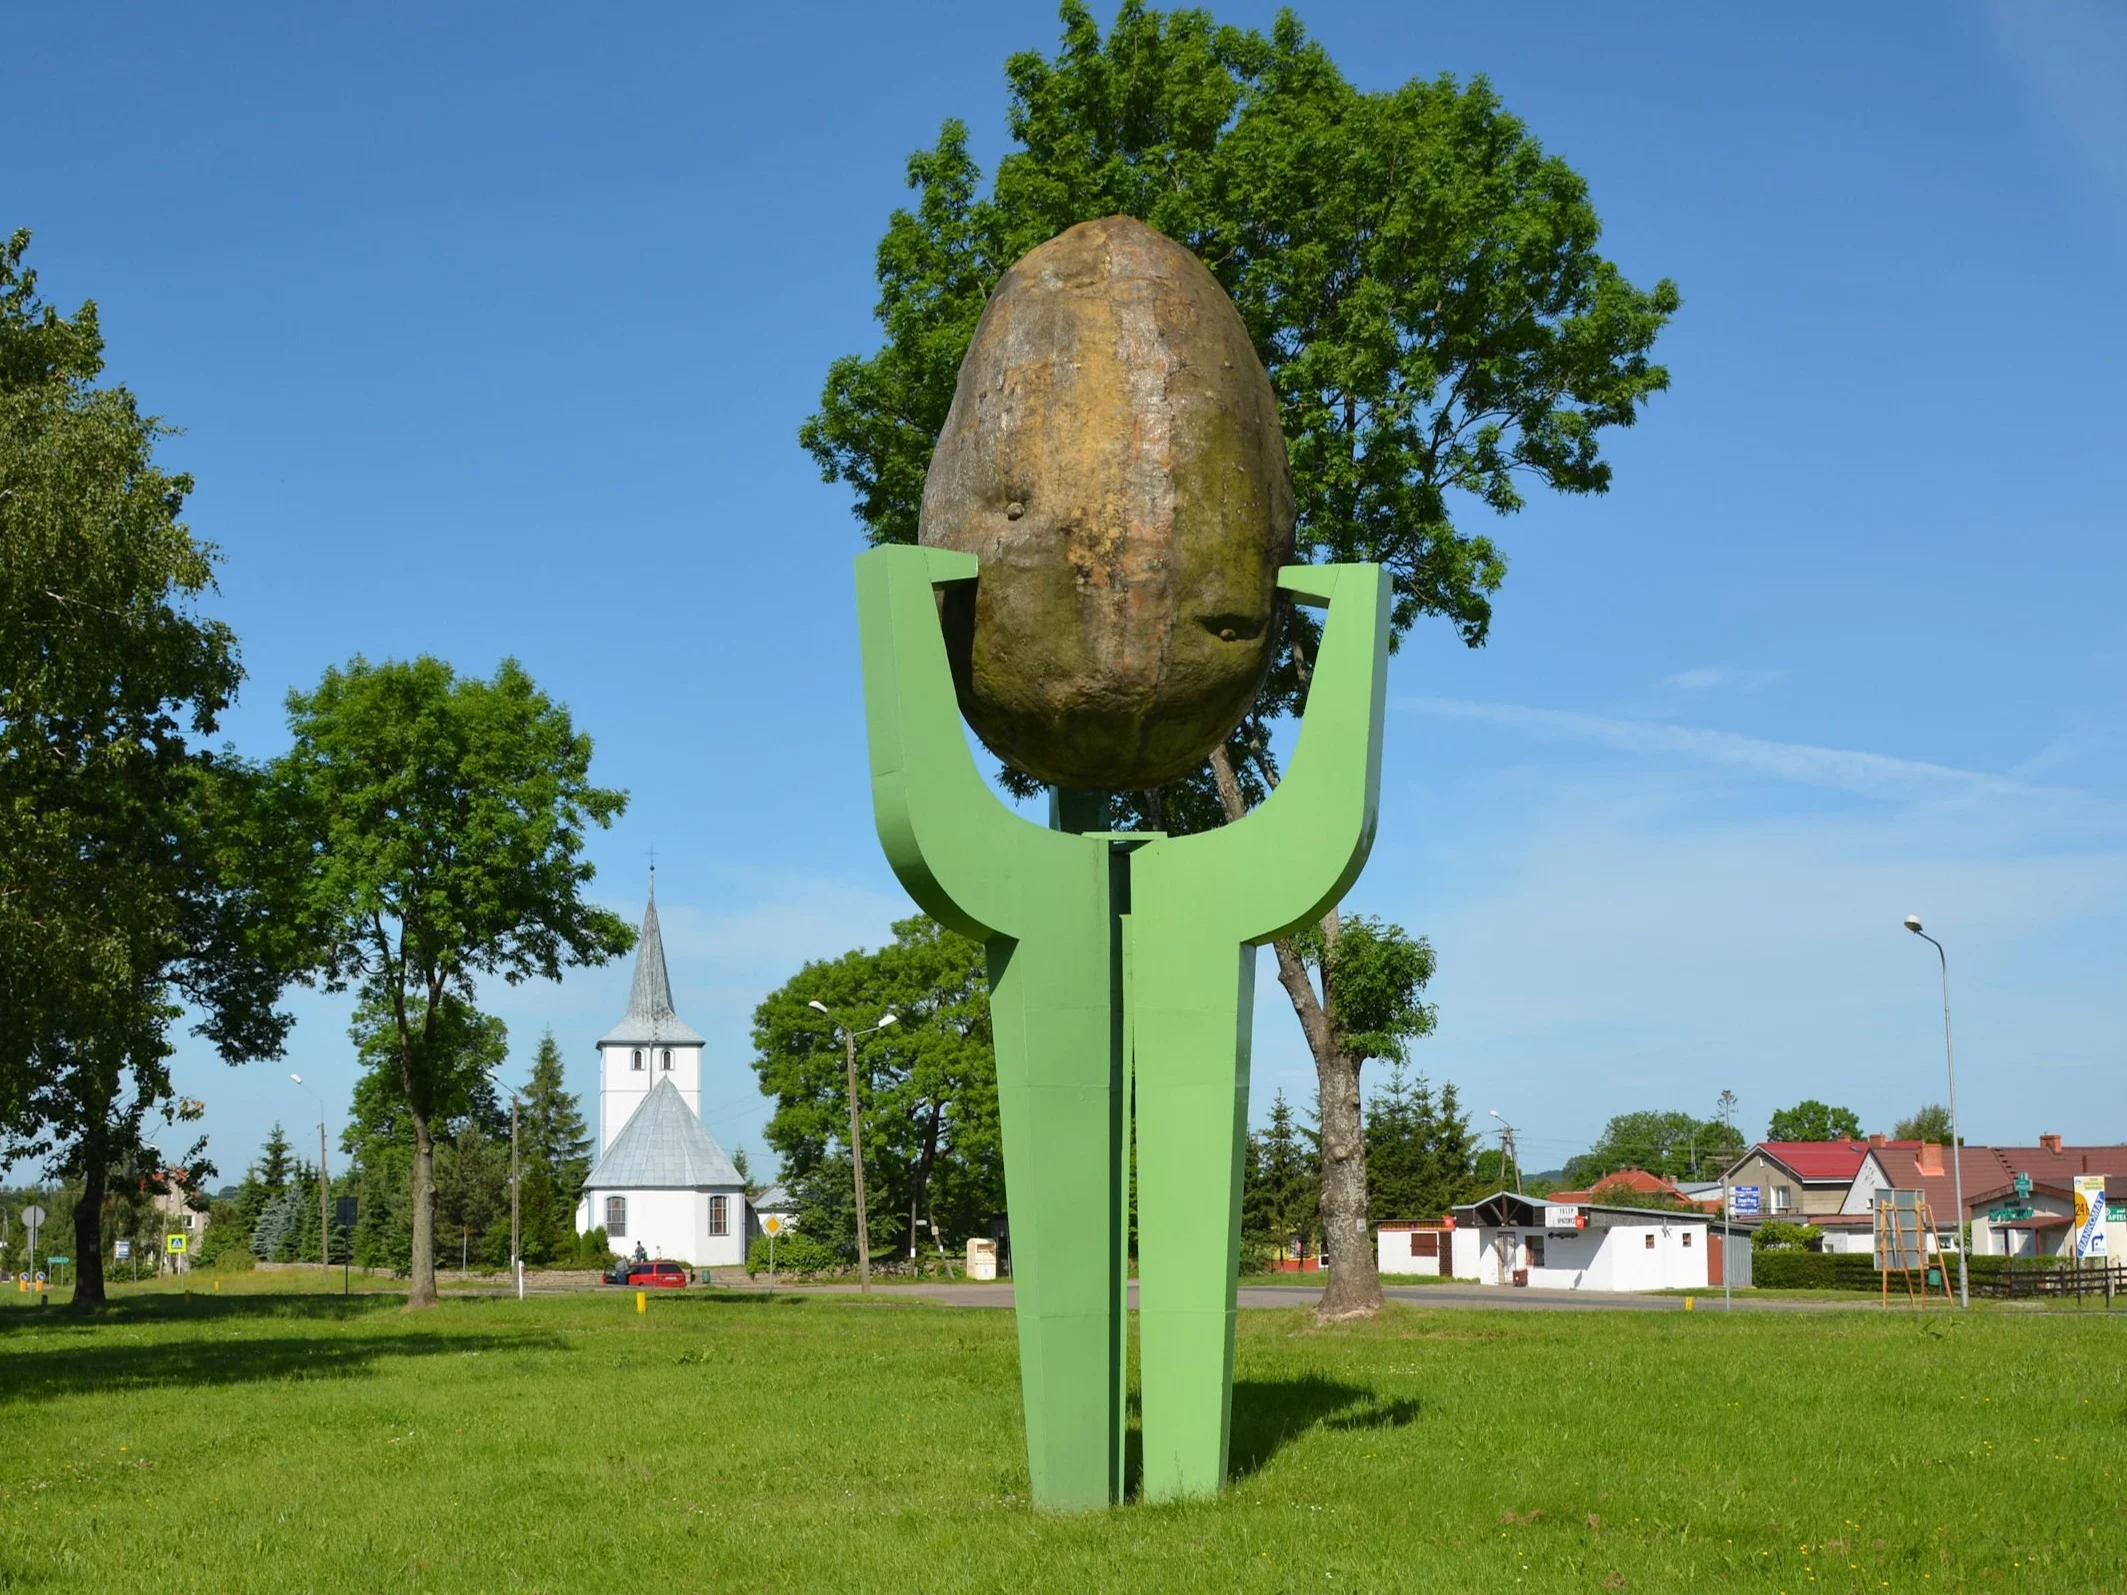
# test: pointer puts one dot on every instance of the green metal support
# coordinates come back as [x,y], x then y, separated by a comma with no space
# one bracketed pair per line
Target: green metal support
[1111,954]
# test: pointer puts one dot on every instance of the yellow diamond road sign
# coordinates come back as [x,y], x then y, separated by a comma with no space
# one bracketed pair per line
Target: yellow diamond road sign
[772,1225]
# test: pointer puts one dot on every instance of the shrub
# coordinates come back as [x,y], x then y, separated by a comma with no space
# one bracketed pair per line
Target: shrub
[1777,1235]
[795,1253]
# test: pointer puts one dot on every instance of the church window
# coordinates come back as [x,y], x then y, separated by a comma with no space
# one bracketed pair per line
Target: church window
[668,1060]
[637,1061]
[720,1215]
[616,1217]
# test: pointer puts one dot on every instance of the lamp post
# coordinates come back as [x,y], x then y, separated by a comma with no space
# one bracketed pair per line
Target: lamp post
[1957,1162]
[516,1219]
[324,1185]
[856,1135]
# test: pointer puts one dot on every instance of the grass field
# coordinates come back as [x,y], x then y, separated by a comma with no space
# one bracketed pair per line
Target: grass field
[267,1439]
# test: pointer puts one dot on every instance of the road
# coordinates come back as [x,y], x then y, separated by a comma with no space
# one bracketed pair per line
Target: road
[1525,1299]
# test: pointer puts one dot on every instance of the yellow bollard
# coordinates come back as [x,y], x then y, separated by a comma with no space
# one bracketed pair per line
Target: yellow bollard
[217,1287]
[642,1301]
[1687,1304]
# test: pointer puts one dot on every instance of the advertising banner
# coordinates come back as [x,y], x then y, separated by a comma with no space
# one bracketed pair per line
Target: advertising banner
[2090,1215]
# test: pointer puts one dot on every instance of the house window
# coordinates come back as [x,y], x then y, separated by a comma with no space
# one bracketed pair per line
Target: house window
[1536,1251]
[719,1215]
[1650,1240]
[1783,1198]
[1687,1240]
[668,1060]
[637,1061]
[616,1217]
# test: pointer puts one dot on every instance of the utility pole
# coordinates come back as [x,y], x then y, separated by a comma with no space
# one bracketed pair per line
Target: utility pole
[324,1186]
[516,1212]
[856,1134]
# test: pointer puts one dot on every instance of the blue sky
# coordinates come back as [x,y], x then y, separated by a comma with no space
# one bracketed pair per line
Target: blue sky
[491,330]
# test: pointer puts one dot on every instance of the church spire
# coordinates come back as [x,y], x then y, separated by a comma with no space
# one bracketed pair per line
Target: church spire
[650,1017]
[650,997]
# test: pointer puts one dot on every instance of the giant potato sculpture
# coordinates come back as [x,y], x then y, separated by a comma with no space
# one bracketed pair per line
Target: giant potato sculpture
[1113,458]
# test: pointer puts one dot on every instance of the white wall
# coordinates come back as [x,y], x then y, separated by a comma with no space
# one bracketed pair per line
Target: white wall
[622,1087]
[1392,1251]
[673,1224]
[1861,1195]
[1616,1257]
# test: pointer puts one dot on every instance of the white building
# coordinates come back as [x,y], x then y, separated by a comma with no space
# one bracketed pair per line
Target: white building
[660,1181]
[1509,1239]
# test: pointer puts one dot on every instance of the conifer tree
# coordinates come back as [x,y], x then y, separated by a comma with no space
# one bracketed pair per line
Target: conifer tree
[554,1139]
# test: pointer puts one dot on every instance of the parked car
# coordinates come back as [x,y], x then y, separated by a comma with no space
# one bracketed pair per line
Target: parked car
[669,1276]
[618,1273]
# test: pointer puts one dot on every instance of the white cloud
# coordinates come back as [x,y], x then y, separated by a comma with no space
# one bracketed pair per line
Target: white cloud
[1710,678]
[1849,770]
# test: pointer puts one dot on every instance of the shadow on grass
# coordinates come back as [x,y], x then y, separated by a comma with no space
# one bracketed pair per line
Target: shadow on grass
[112,1368]
[174,1308]
[1269,1414]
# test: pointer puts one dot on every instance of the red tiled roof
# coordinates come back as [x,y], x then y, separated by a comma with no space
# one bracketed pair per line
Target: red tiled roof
[1987,1169]
[1633,1180]
[1822,1160]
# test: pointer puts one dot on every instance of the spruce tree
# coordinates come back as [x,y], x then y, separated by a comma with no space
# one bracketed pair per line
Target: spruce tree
[554,1138]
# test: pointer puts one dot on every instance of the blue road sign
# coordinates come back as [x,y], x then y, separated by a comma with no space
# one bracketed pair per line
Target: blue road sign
[1743,1201]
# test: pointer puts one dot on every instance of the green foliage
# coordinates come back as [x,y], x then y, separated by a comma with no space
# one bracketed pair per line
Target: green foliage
[796,1253]
[1672,1144]
[1421,281]
[1280,1174]
[128,897]
[1373,974]
[1618,1193]
[443,820]
[225,1246]
[1811,1120]
[1929,1123]
[1777,1235]
[927,1088]
[555,1141]
[1420,1154]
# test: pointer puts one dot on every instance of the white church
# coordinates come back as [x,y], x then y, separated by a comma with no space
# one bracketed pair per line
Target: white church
[660,1181]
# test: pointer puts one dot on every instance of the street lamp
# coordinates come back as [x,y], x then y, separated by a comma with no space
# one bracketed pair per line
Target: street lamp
[1957,1162]
[324,1185]
[856,1136]
[516,1257]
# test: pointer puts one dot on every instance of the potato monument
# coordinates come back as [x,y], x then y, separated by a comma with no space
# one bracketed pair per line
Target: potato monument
[1113,458]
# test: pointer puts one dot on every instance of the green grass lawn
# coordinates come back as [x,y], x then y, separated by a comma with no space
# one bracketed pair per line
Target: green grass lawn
[269,1438]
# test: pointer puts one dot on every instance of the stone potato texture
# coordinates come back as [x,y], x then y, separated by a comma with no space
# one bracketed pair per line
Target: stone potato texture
[1113,458]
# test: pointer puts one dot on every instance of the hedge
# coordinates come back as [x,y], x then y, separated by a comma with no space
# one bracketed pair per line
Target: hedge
[1785,1270]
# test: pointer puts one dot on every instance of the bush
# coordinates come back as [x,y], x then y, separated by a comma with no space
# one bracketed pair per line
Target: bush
[1777,1235]
[226,1246]
[795,1253]
[1789,1270]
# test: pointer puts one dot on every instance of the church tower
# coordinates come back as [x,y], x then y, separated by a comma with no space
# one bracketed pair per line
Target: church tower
[651,1042]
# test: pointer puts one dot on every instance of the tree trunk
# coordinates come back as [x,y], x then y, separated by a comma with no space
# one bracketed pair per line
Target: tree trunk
[88,1214]
[421,1289]
[1354,1289]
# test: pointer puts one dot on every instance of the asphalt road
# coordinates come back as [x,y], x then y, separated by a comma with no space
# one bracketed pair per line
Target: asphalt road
[1524,1299]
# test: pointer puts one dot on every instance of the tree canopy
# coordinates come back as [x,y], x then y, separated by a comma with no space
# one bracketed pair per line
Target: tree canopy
[127,889]
[1930,1122]
[1811,1120]
[443,819]
[926,1087]
[1673,1144]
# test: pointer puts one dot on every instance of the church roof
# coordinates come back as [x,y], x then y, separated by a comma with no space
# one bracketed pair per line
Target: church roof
[650,1021]
[663,1147]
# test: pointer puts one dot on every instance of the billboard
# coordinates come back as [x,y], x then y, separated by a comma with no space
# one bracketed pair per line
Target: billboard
[2090,1216]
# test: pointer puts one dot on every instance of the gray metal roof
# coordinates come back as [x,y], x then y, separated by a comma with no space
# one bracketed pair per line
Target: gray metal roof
[663,1147]
[650,1021]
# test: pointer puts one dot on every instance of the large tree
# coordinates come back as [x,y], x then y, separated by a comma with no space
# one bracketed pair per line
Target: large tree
[554,1135]
[1667,1142]
[126,888]
[443,818]
[1423,285]
[1811,1120]
[926,1087]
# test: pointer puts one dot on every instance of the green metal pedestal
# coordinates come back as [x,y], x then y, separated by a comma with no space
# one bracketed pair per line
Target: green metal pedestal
[1122,979]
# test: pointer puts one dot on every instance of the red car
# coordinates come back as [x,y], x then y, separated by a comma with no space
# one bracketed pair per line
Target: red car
[661,1275]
